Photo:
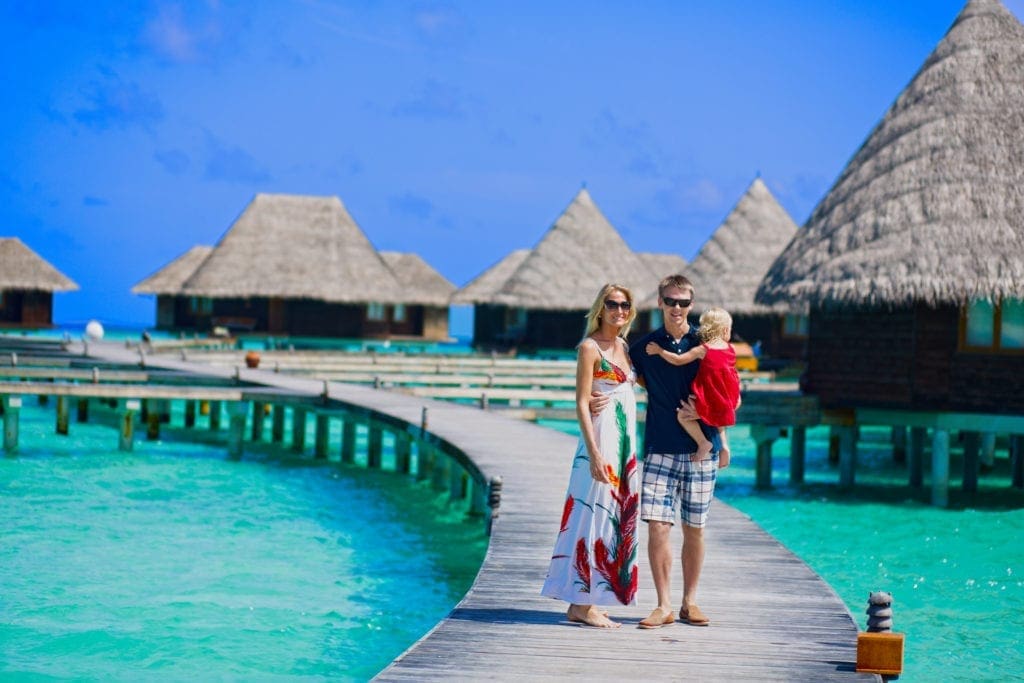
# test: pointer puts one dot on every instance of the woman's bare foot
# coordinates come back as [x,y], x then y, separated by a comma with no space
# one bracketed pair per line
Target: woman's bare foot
[591,616]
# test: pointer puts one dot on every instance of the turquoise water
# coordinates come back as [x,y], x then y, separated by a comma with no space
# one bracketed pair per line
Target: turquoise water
[956,575]
[172,562]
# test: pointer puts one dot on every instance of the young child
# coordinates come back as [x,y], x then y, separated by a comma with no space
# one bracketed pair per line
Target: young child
[716,388]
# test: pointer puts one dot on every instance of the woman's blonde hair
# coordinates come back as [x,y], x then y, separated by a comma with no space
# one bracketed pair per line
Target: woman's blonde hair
[594,316]
[715,323]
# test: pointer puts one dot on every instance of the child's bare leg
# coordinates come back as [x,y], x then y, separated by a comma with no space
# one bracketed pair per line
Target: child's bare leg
[693,429]
[724,452]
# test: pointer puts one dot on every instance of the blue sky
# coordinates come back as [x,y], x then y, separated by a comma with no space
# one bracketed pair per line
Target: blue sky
[457,130]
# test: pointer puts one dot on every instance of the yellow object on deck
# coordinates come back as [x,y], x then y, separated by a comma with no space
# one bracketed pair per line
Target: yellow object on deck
[745,358]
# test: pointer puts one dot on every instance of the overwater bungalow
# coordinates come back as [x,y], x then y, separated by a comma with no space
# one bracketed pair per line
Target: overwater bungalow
[913,262]
[175,310]
[660,265]
[429,319]
[299,265]
[27,284]
[731,264]
[538,298]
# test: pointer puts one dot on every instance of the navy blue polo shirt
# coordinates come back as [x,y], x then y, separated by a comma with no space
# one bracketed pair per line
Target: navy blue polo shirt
[666,384]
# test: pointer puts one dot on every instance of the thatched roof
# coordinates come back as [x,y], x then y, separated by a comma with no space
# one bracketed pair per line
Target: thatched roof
[171,278]
[731,264]
[662,265]
[578,255]
[22,268]
[416,274]
[297,247]
[481,290]
[931,207]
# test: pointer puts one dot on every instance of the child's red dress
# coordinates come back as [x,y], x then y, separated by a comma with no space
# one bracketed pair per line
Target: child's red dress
[716,387]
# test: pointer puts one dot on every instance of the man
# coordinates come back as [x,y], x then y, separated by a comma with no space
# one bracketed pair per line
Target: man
[672,479]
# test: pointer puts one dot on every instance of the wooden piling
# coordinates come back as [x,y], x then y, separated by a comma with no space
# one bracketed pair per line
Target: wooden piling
[238,412]
[374,445]
[403,449]
[126,420]
[215,408]
[441,472]
[323,435]
[277,423]
[764,436]
[424,460]
[190,414]
[63,415]
[972,450]
[298,429]
[259,414]
[348,440]
[940,467]
[83,410]
[899,443]
[915,466]
[797,454]
[847,455]
[12,413]
[152,420]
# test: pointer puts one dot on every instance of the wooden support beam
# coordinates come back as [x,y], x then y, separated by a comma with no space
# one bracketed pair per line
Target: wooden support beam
[298,429]
[348,439]
[238,412]
[847,455]
[797,454]
[764,437]
[323,436]
[403,450]
[442,468]
[988,449]
[972,450]
[374,445]
[126,420]
[277,423]
[83,410]
[940,467]
[899,443]
[259,414]
[424,460]
[190,413]
[915,466]
[12,413]
[63,415]
[152,419]
[215,408]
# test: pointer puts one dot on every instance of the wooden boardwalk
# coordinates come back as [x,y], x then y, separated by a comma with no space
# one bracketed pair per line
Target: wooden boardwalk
[772,617]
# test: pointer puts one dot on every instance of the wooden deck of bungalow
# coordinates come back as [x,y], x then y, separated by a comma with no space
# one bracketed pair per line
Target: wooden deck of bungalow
[772,617]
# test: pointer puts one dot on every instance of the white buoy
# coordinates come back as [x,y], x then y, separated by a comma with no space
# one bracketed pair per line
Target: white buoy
[94,330]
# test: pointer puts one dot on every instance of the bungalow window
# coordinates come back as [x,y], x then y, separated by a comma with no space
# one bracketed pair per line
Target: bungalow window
[200,305]
[398,313]
[795,326]
[993,326]
[375,311]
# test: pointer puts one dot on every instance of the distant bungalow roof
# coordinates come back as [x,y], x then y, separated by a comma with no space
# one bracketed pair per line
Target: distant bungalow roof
[731,264]
[482,288]
[298,247]
[171,278]
[22,268]
[416,274]
[931,207]
[578,255]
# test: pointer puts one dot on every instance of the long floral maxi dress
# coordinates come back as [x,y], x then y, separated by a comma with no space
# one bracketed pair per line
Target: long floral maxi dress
[595,556]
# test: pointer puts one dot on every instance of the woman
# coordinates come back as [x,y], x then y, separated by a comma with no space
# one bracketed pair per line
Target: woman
[595,557]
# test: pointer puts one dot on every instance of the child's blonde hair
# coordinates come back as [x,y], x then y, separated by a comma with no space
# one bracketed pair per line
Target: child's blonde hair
[715,323]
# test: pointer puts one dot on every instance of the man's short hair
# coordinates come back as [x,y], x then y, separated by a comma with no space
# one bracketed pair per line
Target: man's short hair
[676,280]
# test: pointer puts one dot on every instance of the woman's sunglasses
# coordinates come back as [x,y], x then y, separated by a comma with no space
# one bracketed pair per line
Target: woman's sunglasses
[672,303]
[610,305]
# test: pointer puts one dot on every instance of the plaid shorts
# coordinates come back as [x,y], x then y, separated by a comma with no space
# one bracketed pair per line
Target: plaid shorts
[671,480]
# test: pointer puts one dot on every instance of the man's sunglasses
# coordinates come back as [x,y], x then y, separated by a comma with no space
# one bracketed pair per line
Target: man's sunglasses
[610,305]
[672,303]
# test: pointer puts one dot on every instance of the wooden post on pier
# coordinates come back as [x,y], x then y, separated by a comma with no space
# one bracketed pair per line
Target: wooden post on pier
[63,415]
[374,445]
[215,408]
[238,411]
[797,454]
[298,429]
[1017,461]
[940,467]
[972,449]
[988,450]
[424,460]
[764,437]
[152,419]
[915,466]
[323,435]
[403,449]
[442,468]
[126,420]
[277,423]
[190,414]
[83,410]
[899,443]
[12,412]
[259,414]
[348,439]
[847,455]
